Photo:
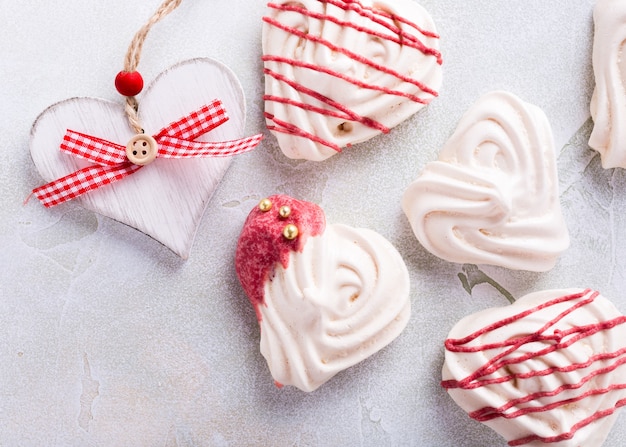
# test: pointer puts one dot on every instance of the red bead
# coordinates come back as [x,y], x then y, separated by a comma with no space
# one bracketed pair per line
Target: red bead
[129,83]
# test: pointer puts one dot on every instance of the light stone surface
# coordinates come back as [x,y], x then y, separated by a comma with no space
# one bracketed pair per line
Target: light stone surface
[108,338]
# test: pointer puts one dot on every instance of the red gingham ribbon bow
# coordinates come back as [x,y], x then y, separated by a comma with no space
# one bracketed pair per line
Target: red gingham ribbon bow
[112,164]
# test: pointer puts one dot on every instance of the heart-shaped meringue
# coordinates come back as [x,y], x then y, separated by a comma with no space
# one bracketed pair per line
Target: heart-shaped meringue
[326,298]
[549,369]
[339,72]
[608,103]
[166,199]
[492,197]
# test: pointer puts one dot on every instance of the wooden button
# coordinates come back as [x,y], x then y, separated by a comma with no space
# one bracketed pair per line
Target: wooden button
[142,149]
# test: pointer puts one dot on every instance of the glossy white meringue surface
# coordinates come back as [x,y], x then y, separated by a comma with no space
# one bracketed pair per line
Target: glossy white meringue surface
[608,104]
[340,300]
[337,73]
[492,196]
[549,369]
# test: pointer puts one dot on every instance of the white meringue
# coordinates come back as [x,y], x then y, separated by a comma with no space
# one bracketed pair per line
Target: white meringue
[492,197]
[608,103]
[341,72]
[549,369]
[340,300]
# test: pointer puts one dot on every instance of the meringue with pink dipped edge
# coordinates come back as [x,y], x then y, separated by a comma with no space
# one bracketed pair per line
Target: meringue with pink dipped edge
[326,296]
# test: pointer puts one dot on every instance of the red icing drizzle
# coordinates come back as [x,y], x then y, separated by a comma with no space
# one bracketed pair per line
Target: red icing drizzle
[375,15]
[354,5]
[556,340]
[262,245]
[344,112]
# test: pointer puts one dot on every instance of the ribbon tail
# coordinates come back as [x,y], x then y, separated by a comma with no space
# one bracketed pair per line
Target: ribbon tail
[93,149]
[80,182]
[170,147]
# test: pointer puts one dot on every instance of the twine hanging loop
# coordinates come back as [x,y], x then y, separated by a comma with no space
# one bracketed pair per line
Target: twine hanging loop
[129,82]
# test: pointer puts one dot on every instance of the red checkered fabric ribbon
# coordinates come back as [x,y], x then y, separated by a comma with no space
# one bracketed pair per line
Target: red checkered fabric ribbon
[111,163]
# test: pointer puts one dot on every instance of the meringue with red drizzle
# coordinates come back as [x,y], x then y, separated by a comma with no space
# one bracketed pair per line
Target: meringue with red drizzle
[492,196]
[339,72]
[608,103]
[326,296]
[549,369]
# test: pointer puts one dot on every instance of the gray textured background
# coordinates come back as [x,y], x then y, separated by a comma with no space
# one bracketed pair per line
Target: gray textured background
[107,338]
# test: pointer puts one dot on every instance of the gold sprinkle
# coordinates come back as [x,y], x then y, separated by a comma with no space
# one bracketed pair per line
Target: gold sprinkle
[265,205]
[284,212]
[290,232]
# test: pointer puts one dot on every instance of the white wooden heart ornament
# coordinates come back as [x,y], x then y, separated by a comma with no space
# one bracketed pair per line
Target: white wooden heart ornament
[326,297]
[549,369]
[340,72]
[167,198]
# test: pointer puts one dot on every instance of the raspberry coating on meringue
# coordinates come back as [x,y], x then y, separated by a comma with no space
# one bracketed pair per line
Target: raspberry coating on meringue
[262,244]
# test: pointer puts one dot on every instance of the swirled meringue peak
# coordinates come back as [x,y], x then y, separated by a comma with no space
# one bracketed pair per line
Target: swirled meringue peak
[549,369]
[492,197]
[339,72]
[608,103]
[326,298]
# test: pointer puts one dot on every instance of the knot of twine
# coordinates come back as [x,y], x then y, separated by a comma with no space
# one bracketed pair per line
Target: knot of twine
[133,56]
